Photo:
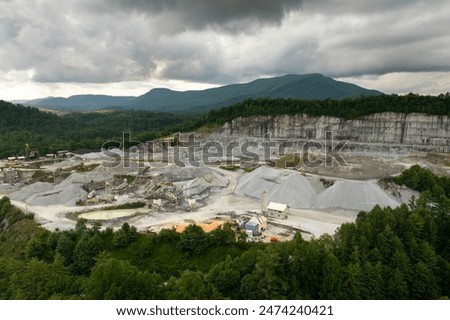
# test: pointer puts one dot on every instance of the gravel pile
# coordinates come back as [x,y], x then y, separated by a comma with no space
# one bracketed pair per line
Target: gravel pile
[64,194]
[282,186]
[31,190]
[358,195]
[202,186]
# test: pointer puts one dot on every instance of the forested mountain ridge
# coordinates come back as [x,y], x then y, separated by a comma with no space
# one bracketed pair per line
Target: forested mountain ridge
[401,253]
[308,86]
[350,108]
[88,102]
[48,132]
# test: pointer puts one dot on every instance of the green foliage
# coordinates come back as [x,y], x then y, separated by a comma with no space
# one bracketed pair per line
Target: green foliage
[422,179]
[308,86]
[48,133]
[118,280]
[193,240]
[85,252]
[349,108]
[190,286]
[124,236]
[400,253]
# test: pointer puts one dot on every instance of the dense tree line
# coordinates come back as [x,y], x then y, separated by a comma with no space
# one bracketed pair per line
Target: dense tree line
[48,132]
[349,108]
[401,253]
[424,180]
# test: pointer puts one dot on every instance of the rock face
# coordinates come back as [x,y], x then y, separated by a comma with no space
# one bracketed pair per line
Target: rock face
[431,132]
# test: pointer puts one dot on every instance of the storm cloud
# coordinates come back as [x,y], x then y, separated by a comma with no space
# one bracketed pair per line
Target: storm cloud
[232,15]
[219,42]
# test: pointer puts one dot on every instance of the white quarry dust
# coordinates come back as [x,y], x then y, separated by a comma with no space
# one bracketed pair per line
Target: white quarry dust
[358,195]
[201,185]
[66,193]
[282,186]
[31,190]
[221,191]
[69,191]
[291,188]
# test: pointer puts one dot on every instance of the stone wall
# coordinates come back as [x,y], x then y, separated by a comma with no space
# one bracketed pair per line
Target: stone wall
[387,128]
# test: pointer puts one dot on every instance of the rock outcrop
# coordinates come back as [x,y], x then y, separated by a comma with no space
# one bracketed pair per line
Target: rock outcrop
[419,130]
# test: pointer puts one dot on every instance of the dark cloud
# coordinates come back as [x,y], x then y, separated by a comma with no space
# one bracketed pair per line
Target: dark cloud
[231,15]
[366,7]
[220,41]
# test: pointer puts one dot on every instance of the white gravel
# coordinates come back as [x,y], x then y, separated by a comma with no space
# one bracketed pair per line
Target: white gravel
[202,186]
[31,190]
[358,195]
[282,186]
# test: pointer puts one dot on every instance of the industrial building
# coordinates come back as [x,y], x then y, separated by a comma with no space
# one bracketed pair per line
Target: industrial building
[277,210]
[255,225]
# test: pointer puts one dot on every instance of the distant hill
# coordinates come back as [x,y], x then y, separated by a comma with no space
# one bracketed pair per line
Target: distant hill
[85,102]
[309,86]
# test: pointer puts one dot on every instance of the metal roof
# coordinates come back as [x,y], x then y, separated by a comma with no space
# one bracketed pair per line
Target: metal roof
[277,206]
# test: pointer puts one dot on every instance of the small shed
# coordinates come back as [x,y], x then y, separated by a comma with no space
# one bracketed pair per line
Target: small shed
[256,225]
[277,210]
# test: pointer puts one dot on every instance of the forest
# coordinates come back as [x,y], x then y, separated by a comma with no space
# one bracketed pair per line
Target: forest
[349,108]
[401,253]
[48,133]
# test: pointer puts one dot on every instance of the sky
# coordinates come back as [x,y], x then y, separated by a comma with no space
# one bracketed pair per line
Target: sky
[115,47]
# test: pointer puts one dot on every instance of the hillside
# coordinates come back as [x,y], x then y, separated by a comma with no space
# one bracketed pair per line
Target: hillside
[80,102]
[309,86]
[48,132]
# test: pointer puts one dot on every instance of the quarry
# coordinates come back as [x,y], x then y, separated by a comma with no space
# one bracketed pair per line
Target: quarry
[267,193]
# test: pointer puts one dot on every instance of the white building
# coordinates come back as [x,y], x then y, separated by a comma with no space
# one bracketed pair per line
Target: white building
[277,210]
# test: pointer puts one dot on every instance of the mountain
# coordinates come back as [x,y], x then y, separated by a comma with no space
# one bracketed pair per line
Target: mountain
[85,102]
[308,86]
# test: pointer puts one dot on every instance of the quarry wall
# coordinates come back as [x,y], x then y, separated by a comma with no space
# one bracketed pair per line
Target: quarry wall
[423,131]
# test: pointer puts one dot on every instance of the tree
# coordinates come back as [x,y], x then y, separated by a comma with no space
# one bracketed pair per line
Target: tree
[40,247]
[31,283]
[396,285]
[424,285]
[332,277]
[223,235]
[373,282]
[190,286]
[124,236]
[193,240]
[65,248]
[118,280]
[352,282]
[266,281]
[61,284]
[9,271]
[225,278]
[306,268]
[84,253]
